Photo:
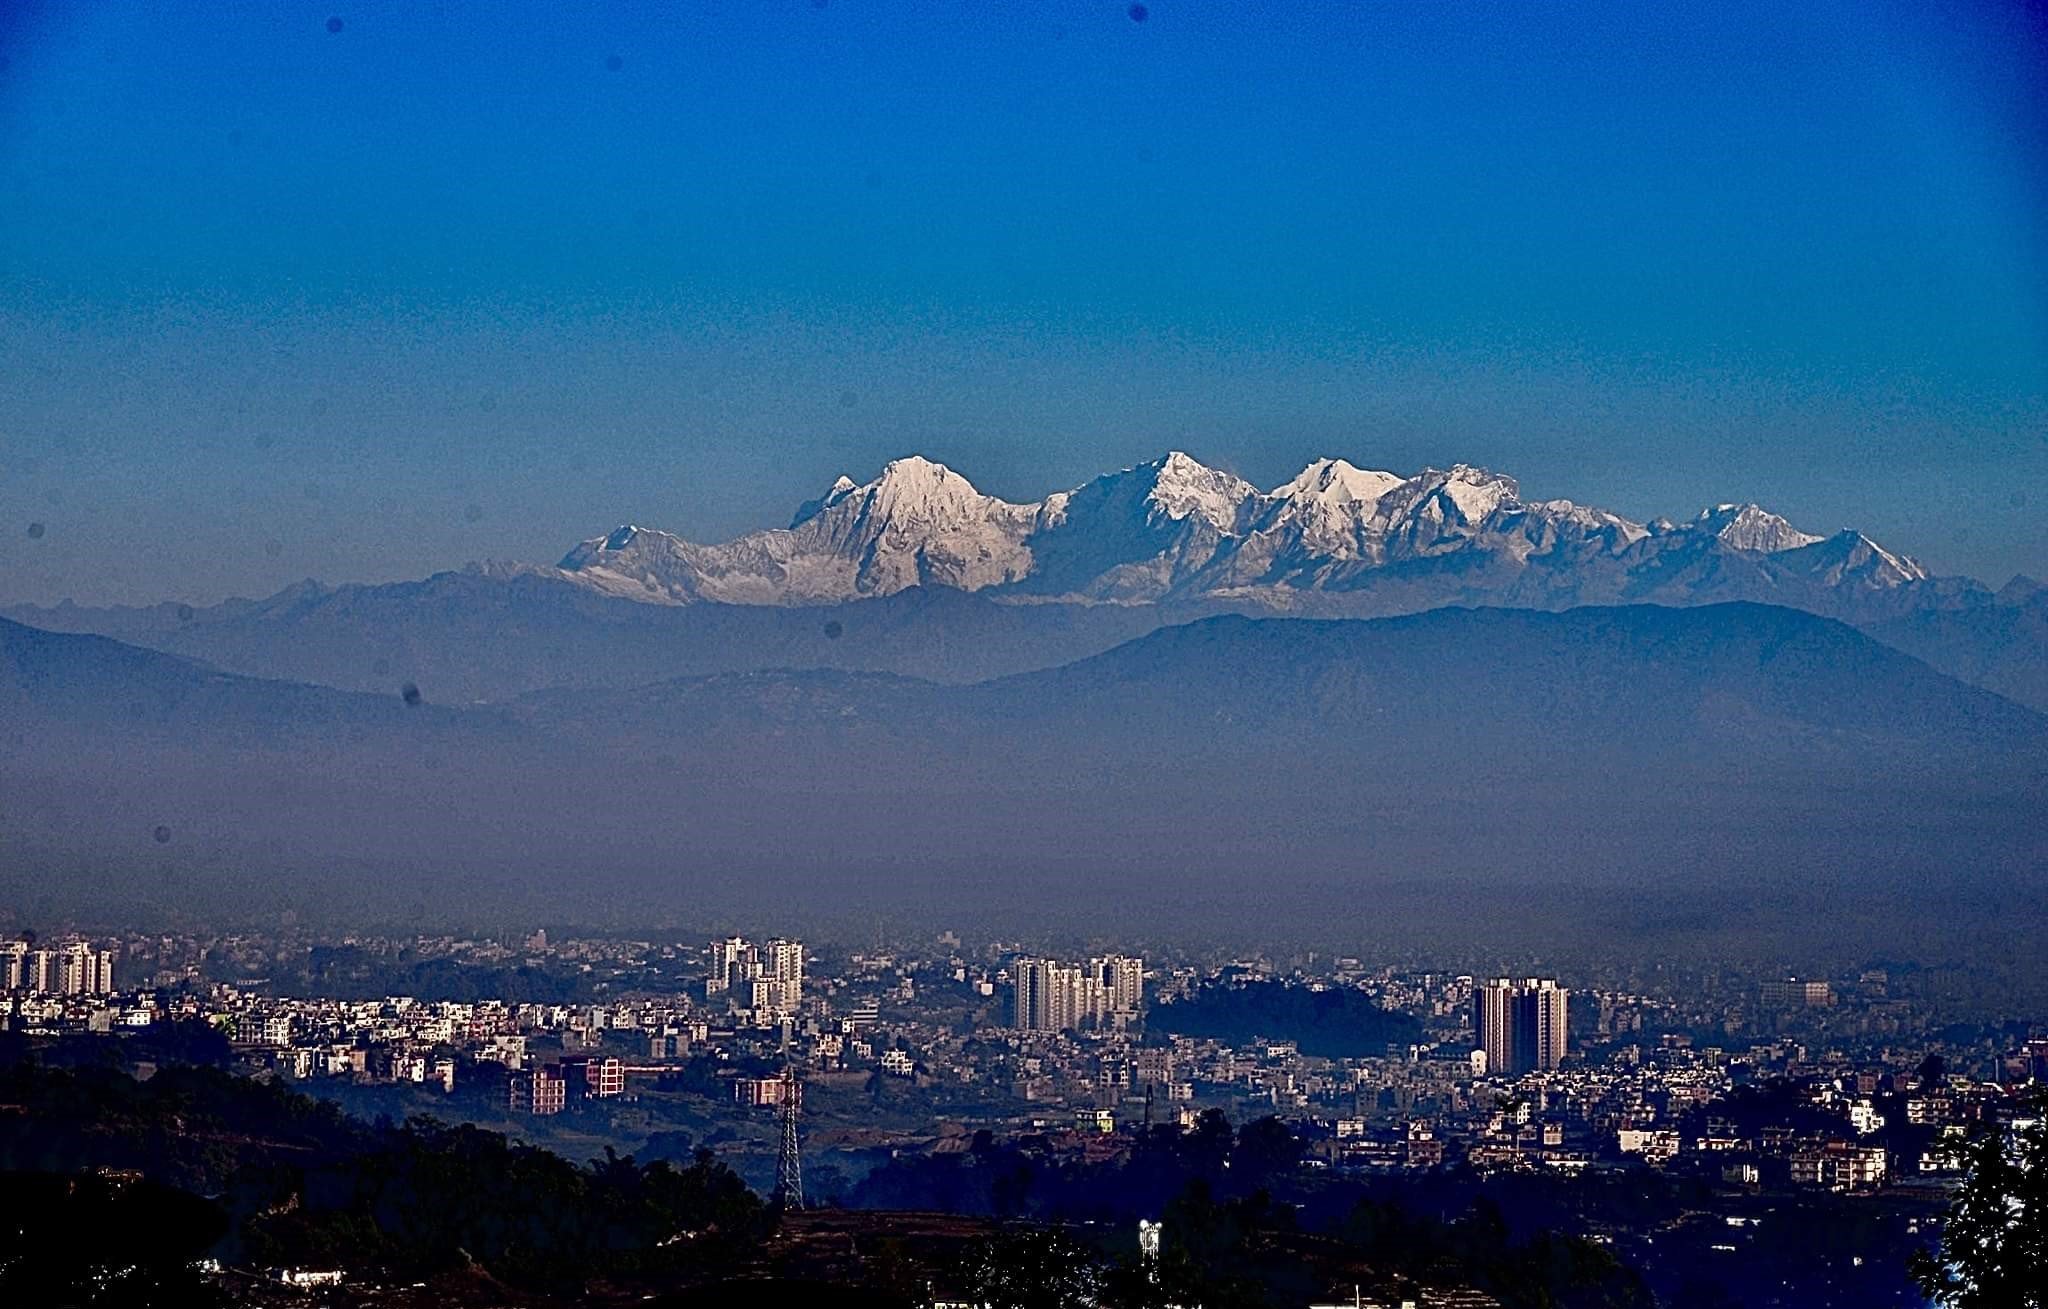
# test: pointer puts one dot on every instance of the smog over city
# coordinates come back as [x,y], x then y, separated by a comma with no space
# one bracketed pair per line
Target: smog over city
[1082,654]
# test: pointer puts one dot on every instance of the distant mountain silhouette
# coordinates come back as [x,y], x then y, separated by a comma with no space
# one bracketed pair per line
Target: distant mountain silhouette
[489,634]
[1737,746]
[1999,647]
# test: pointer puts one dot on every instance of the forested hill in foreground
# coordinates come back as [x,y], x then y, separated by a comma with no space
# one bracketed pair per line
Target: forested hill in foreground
[292,1182]
[211,1165]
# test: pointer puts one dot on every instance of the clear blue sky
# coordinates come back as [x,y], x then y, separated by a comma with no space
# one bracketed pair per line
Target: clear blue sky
[278,301]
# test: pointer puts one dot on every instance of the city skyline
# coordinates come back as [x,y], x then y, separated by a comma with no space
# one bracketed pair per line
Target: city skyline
[912,1067]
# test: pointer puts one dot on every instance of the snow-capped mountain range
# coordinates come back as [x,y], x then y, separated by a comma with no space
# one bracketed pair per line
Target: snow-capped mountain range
[1335,538]
[917,573]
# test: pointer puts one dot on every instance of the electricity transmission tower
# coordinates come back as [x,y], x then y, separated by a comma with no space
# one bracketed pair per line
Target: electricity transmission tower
[789,1166]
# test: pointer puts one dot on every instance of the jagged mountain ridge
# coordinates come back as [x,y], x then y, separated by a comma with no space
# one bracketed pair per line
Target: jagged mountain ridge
[948,584]
[1336,538]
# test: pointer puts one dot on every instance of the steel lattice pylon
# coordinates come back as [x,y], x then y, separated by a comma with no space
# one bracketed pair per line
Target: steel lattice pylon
[789,1166]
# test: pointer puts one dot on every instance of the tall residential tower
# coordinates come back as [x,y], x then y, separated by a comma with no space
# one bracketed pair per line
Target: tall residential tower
[1520,1025]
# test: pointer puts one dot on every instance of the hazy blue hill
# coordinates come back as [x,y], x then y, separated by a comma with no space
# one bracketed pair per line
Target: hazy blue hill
[101,695]
[1628,678]
[2000,647]
[494,634]
[1208,771]
[1687,682]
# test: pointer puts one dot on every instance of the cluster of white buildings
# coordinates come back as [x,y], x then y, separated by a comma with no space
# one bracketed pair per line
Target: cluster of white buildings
[1050,996]
[766,979]
[73,968]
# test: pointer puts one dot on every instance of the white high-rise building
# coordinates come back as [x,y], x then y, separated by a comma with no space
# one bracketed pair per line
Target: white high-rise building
[75,969]
[1123,982]
[784,961]
[779,990]
[734,962]
[1043,995]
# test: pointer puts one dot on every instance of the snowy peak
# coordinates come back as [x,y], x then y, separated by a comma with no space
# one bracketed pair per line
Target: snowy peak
[1327,511]
[918,524]
[1183,487]
[1477,492]
[1460,496]
[909,491]
[1336,481]
[618,541]
[810,509]
[1137,534]
[915,496]
[636,563]
[1749,527]
[1851,558]
[918,486]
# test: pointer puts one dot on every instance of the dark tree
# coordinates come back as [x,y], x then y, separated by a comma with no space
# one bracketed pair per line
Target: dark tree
[1043,1269]
[1994,1241]
[72,1240]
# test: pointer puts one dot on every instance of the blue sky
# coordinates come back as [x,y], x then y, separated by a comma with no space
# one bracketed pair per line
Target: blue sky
[278,301]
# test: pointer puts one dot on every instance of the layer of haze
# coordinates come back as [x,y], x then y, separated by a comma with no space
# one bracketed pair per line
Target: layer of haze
[364,290]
